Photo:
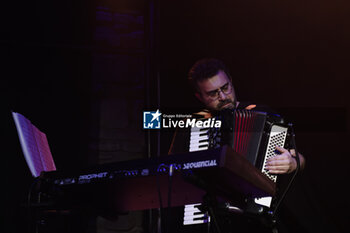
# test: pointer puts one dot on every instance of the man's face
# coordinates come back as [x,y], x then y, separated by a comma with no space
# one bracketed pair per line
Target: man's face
[217,92]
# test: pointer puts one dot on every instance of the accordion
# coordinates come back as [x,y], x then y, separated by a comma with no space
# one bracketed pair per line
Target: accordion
[251,134]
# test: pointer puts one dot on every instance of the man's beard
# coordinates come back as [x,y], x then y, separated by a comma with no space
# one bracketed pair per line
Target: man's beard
[224,102]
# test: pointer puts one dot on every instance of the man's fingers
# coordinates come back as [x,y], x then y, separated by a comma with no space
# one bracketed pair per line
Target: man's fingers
[281,149]
[292,152]
[279,167]
[278,157]
[277,162]
[277,171]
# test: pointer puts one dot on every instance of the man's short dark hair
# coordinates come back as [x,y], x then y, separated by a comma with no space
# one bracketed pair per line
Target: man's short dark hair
[205,69]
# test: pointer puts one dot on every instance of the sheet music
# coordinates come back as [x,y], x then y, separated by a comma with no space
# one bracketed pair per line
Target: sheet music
[44,150]
[34,145]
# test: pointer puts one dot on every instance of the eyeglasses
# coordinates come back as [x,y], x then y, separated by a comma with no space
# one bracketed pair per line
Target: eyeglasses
[226,89]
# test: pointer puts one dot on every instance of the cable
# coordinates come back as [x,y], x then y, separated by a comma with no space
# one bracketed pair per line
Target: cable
[295,173]
[171,171]
[159,221]
[210,204]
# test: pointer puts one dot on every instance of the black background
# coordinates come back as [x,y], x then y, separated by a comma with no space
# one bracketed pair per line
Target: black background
[290,55]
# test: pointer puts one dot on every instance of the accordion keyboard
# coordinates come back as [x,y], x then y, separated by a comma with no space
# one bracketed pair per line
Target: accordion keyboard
[192,215]
[200,139]
[204,138]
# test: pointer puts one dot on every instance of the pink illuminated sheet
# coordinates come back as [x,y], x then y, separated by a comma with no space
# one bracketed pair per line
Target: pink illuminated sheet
[34,145]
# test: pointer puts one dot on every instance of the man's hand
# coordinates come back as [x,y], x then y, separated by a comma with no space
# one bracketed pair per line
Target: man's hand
[282,163]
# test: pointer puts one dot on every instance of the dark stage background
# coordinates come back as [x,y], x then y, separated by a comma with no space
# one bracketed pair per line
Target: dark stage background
[84,71]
